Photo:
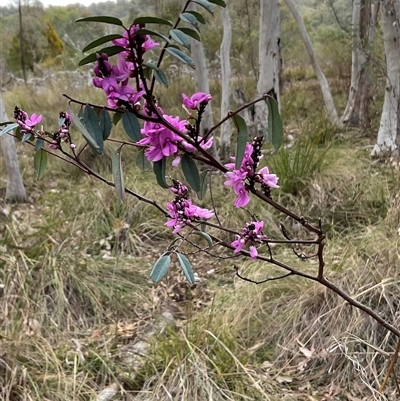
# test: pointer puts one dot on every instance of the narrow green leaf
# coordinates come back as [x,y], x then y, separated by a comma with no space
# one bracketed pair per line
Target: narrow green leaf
[149,32]
[158,74]
[116,118]
[198,16]
[27,137]
[159,169]
[118,173]
[18,133]
[275,126]
[203,184]
[40,163]
[191,172]
[241,139]
[131,125]
[160,268]
[152,20]
[205,236]
[39,144]
[186,268]
[105,124]
[141,161]
[218,2]
[180,37]
[110,51]
[91,122]
[101,18]
[8,128]
[190,32]
[78,123]
[180,55]
[205,4]
[100,41]
[190,18]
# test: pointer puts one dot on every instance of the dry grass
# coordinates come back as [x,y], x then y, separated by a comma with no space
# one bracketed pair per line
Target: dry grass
[78,311]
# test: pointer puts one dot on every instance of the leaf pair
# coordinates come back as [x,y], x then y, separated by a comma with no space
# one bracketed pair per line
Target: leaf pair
[160,268]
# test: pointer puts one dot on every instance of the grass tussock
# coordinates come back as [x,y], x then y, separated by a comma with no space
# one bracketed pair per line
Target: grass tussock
[79,314]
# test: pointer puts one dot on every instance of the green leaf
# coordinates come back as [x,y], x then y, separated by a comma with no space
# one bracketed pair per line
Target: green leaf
[40,163]
[100,41]
[118,173]
[160,268]
[91,122]
[149,32]
[116,118]
[152,20]
[180,55]
[110,51]
[190,18]
[7,123]
[101,18]
[203,184]
[180,37]
[218,2]
[39,144]
[159,169]
[241,139]
[205,236]
[275,126]
[191,172]
[205,4]
[141,161]
[186,268]
[198,16]
[78,123]
[131,125]
[158,74]
[190,32]
[8,128]
[27,137]
[105,124]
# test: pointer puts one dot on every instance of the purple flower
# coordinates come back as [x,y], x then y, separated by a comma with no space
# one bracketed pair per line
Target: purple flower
[162,141]
[26,123]
[199,98]
[250,236]
[146,42]
[245,177]
[181,209]
[268,179]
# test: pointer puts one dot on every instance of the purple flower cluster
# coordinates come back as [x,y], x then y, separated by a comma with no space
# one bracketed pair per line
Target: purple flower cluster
[250,235]
[245,177]
[195,101]
[182,210]
[114,79]
[62,135]
[26,123]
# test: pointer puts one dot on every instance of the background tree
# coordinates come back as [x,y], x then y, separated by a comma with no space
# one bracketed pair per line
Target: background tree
[225,137]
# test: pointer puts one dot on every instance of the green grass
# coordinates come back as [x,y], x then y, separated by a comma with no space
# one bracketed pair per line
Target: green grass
[77,306]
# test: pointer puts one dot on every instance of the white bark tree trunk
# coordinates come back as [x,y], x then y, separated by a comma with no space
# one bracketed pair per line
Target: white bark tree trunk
[388,129]
[326,92]
[202,85]
[225,50]
[15,191]
[364,22]
[268,60]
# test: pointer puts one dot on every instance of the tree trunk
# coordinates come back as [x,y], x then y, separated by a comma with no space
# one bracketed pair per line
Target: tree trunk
[225,49]
[15,191]
[268,60]
[21,40]
[202,85]
[388,129]
[326,92]
[356,112]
